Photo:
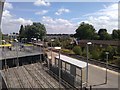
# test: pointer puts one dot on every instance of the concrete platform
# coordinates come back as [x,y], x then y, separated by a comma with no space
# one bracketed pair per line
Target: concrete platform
[27,51]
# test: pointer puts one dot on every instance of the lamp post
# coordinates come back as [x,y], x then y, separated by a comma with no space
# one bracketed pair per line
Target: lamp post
[106,66]
[4,54]
[59,48]
[88,43]
[17,51]
[51,50]
[40,50]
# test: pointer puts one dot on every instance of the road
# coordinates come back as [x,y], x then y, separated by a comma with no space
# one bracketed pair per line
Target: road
[97,76]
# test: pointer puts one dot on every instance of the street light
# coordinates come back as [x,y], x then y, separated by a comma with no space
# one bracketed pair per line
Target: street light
[17,51]
[51,50]
[106,66]
[40,50]
[4,54]
[59,48]
[88,43]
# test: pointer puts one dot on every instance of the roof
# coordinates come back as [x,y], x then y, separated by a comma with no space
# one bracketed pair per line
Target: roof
[101,42]
[72,61]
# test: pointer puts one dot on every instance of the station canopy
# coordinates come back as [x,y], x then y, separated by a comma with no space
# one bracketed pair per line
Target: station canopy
[72,61]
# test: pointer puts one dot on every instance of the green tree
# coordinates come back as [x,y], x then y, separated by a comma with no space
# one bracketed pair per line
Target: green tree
[37,30]
[119,34]
[85,31]
[103,56]
[95,53]
[40,30]
[21,32]
[116,34]
[77,50]
[118,50]
[103,35]
[84,53]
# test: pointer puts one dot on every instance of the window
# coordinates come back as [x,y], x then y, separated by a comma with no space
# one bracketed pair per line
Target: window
[68,68]
[63,66]
[78,72]
[56,62]
[78,77]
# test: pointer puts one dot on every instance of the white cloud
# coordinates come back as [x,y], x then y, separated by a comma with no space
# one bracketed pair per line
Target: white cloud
[11,24]
[105,18]
[8,5]
[58,25]
[6,14]
[41,3]
[41,12]
[61,11]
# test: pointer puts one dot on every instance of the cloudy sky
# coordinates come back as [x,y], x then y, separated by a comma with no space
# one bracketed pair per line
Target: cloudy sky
[59,17]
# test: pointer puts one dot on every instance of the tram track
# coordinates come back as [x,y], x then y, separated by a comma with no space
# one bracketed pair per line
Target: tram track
[47,75]
[18,78]
[8,80]
[43,76]
[25,76]
[35,78]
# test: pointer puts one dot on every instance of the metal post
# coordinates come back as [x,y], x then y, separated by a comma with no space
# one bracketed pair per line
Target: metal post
[40,53]
[51,49]
[106,67]
[88,43]
[51,52]
[90,87]
[5,58]
[59,70]
[81,79]
[59,65]
[87,68]
[17,54]
[4,55]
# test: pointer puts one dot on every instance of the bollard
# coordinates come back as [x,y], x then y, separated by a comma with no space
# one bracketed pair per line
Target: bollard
[90,87]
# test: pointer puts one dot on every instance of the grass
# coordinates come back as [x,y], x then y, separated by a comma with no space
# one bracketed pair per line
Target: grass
[67,51]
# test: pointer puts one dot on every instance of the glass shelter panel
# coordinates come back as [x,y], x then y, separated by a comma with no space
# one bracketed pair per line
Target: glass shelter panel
[68,67]
[63,66]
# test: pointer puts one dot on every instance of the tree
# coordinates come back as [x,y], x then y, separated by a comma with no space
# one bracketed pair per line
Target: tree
[40,30]
[116,34]
[111,51]
[77,50]
[119,34]
[85,31]
[37,30]
[95,54]
[21,32]
[103,35]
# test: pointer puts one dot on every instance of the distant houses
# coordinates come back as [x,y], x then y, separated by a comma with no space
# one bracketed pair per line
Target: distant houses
[8,37]
[100,42]
[55,36]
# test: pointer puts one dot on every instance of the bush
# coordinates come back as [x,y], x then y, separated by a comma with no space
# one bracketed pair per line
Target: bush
[67,51]
[77,50]
[85,53]
[95,54]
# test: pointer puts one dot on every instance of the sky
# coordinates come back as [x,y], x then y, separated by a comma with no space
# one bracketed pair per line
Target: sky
[59,17]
